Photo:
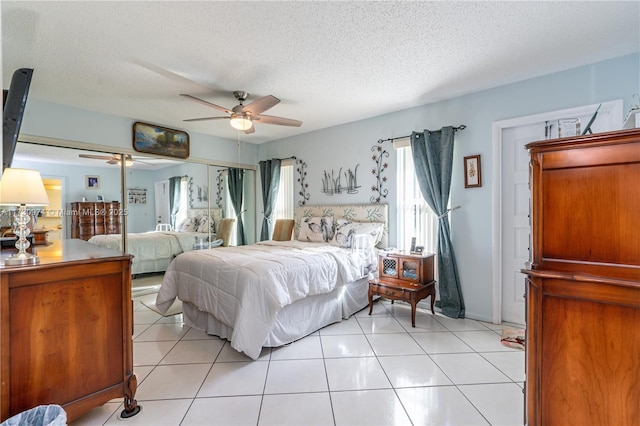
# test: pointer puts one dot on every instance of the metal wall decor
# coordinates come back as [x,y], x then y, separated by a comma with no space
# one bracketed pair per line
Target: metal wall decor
[203,193]
[302,176]
[332,183]
[352,180]
[219,188]
[379,153]
[190,190]
[137,195]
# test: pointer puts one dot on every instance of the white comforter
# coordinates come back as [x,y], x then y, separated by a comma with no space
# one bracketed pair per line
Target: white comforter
[150,245]
[245,287]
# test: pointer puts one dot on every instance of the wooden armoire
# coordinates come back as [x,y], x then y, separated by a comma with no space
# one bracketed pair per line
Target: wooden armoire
[583,281]
[89,219]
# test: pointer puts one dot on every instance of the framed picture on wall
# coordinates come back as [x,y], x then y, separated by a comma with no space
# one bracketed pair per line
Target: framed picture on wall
[92,182]
[472,172]
[160,140]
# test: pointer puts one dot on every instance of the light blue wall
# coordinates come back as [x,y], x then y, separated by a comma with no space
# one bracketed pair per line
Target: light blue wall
[140,217]
[63,122]
[350,144]
[74,183]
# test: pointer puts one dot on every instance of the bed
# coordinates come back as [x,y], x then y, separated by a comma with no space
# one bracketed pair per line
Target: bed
[274,292]
[153,251]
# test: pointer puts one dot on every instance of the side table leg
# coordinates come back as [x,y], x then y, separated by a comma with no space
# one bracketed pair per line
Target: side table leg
[414,302]
[433,298]
[370,301]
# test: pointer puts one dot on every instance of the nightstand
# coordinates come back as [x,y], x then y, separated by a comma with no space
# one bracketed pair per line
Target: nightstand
[407,277]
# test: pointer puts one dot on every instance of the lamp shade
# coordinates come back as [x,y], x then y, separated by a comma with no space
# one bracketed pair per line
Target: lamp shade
[240,122]
[22,186]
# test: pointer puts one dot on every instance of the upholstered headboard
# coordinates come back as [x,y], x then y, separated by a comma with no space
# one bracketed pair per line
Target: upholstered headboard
[216,214]
[355,212]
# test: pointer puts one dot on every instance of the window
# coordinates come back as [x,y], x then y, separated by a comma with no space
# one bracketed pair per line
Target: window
[284,202]
[183,204]
[183,207]
[228,210]
[415,217]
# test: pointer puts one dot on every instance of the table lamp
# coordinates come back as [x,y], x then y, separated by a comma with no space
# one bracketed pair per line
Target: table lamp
[22,187]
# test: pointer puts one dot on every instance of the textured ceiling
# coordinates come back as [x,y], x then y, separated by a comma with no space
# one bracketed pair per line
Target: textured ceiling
[329,62]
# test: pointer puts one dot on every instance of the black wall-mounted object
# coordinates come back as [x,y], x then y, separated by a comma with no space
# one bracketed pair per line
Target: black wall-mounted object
[14,102]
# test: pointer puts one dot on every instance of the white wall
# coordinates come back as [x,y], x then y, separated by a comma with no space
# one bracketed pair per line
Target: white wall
[350,144]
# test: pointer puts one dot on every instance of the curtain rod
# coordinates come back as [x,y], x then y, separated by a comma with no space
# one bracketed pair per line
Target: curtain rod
[455,129]
[293,157]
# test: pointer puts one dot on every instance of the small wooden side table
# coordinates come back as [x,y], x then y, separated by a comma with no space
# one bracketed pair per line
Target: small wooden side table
[407,277]
[402,290]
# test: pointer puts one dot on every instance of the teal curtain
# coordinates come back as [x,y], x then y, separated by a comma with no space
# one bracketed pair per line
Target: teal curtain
[433,161]
[174,199]
[270,179]
[236,185]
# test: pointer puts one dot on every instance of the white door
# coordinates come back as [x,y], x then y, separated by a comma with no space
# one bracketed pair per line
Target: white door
[515,217]
[162,201]
[513,227]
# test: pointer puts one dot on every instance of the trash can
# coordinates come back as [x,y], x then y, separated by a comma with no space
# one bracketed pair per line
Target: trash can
[43,415]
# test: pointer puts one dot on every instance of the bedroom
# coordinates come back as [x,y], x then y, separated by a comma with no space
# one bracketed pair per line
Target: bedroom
[591,81]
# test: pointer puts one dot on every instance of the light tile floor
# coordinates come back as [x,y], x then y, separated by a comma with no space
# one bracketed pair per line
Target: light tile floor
[367,370]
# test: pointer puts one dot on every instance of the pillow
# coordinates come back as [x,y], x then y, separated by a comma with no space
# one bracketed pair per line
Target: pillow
[203,224]
[316,229]
[189,224]
[345,230]
[344,234]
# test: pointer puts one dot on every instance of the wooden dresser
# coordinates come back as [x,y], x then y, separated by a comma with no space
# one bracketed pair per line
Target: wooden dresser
[583,282]
[89,219]
[66,330]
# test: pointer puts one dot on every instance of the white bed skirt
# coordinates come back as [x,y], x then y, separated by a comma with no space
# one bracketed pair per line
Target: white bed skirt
[296,320]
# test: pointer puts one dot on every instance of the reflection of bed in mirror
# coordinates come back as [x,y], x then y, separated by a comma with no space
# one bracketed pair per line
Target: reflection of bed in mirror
[274,292]
[153,251]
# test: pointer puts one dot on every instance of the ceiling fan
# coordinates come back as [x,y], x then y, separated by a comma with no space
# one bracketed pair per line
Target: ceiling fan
[242,117]
[114,159]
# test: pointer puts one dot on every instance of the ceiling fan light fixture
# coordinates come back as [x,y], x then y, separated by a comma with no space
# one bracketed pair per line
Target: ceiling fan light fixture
[240,122]
[128,160]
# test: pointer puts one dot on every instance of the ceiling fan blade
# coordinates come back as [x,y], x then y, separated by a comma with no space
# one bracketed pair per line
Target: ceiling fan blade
[206,118]
[95,157]
[280,121]
[112,161]
[209,104]
[250,130]
[261,104]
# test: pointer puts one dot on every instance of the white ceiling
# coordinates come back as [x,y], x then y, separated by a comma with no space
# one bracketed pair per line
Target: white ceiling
[329,62]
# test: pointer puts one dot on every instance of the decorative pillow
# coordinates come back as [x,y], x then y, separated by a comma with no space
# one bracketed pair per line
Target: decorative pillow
[316,229]
[345,230]
[189,224]
[204,223]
